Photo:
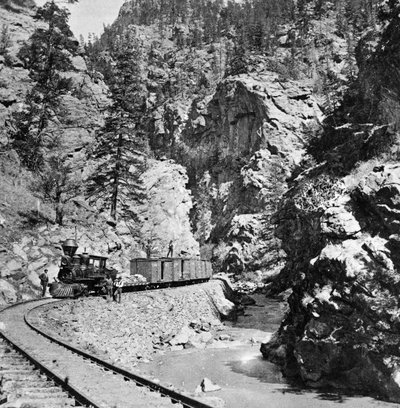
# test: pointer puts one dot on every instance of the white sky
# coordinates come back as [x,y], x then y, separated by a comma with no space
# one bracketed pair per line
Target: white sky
[88,16]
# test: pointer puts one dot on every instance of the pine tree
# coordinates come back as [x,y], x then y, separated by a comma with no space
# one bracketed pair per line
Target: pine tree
[57,185]
[121,145]
[47,53]
[5,40]
[237,62]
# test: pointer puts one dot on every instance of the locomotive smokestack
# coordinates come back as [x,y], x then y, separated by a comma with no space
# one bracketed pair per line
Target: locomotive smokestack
[69,247]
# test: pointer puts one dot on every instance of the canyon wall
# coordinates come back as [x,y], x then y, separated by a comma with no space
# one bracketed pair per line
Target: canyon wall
[240,146]
[339,225]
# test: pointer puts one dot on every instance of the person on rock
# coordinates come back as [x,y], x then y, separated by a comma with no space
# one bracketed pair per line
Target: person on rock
[44,281]
[170,249]
[118,284]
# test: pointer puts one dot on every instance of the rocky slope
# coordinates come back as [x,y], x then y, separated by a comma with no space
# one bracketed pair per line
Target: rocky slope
[240,137]
[27,244]
[342,326]
[29,239]
[40,247]
[240,147]
[339,227]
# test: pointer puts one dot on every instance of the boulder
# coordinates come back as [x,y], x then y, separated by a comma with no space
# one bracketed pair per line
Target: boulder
[37,265]
[17,249]
[218,295]
[35,252]
[343,324]
[338,222]
[79,63]
[205,337]
[207,385]
[8,293]
[182,337]
[13,265]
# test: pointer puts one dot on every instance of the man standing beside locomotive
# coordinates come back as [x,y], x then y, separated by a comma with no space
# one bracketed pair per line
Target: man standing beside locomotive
[118,284]
[109,288]
[44,281]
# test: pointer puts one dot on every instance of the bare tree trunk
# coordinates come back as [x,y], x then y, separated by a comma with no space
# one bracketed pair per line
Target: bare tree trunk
[59,208]
[114,197]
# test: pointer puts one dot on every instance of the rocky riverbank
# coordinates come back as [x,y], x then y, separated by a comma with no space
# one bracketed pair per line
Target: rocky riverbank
[342,329]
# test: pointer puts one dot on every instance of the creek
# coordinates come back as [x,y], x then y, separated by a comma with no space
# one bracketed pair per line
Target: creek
[245,378]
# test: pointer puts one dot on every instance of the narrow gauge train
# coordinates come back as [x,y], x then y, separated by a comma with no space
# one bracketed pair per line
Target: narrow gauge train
[84,273]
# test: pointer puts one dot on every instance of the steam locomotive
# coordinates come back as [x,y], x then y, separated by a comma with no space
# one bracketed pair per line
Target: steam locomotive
[83,274]
[80,274]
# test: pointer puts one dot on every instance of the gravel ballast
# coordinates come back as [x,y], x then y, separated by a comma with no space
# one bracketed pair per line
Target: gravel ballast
[142,325]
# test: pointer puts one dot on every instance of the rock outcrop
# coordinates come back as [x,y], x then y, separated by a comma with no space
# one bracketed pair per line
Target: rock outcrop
[240,146]
[343,326]
[30,240]
[165,214]
[339,225]
[80,112]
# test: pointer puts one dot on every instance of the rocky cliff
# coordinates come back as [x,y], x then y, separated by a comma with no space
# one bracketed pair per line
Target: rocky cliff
[234,139]
[240,137]
[240,146]
[342,330]
[339,227]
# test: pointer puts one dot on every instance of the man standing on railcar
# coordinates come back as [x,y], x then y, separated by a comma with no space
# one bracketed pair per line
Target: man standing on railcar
[148,248]
[170,249]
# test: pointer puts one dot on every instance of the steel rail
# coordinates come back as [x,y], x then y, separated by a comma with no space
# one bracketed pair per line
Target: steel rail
[79,397]
[186,401]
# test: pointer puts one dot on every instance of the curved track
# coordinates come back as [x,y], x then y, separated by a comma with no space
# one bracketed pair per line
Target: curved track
[89,380]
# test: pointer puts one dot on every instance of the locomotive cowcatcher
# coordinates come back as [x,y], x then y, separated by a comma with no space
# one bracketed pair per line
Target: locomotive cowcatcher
[86,272]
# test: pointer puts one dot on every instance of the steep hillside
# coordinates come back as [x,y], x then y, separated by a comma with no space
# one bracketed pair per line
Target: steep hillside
[339,225]
[236,105]
[30,237]
[225,99]
[240,148]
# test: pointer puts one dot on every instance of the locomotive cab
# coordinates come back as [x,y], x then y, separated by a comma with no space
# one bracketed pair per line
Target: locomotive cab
[98,262]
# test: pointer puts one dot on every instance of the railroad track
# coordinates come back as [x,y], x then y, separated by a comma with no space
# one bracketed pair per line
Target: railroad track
[71,377]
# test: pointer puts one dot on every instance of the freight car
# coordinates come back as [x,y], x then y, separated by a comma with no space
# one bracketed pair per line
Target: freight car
[171,270]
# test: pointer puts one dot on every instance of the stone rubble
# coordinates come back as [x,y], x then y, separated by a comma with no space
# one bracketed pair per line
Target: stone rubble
[143,324]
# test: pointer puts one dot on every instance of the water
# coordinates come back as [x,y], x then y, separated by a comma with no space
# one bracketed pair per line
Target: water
[247,381]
